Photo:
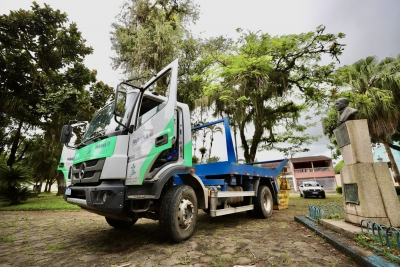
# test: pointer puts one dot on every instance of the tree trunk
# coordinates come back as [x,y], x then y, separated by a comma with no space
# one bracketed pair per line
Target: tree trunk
[245,146]
[45,188]
[61,184]
[40,186]
[14,146]
[394,165]
[235,137]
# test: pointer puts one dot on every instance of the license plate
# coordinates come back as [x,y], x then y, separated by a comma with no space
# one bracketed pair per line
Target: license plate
[315,193]
[68,191]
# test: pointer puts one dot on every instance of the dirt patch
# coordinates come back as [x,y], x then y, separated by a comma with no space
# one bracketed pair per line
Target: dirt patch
[85,239]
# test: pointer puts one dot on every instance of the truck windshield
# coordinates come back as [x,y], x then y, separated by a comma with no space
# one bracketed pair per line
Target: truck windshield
[103,122]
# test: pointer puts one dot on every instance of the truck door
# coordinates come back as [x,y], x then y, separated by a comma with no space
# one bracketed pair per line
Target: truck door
[152,142]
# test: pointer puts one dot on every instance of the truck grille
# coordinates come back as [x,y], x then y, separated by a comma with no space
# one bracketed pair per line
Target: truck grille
[91,171]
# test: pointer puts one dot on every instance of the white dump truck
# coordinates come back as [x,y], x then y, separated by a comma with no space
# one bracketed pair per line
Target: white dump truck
[135,161]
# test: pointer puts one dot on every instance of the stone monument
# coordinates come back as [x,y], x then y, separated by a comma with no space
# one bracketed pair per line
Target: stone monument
[367,185]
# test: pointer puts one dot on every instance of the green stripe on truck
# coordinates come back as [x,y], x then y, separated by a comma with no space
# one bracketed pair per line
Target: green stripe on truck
[154,152]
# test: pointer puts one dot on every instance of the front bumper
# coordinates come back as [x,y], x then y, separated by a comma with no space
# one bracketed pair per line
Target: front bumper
[108,197]
[313,193]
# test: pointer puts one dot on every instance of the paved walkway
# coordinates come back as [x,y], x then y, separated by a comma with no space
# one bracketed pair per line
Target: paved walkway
[84,239]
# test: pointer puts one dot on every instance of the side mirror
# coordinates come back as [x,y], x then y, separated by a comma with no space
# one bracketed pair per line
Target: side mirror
[321,186]
[66,134]
[120,105]
[301,186]
[120,101]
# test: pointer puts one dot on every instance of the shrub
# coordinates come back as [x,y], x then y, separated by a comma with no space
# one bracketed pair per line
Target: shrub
[338,167]
[339,189]
[213,159]
[195,160]
[13,183]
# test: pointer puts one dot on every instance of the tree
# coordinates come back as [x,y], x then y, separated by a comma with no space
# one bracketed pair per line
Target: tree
[148,35]
[268,81]
[13,183]
[38,55]
[43,80]
[375,92]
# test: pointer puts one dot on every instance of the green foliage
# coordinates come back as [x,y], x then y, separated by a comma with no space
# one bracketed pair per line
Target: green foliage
[203,151]
[339,190]
[338,167]
[41,55]
[15,175]
[373,88]
[43,84]
[149,35]
[268,81]
[335,216]
[15,194]
[370,243]
[13,183]
[7,239]
[195,160]
[213,159]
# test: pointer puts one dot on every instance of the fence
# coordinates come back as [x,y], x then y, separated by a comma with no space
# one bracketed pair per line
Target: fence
[325,212]
[317,169]
[383,233]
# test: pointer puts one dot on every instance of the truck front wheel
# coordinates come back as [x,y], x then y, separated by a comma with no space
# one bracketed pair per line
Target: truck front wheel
[118,224]
[178,213]
[263,203]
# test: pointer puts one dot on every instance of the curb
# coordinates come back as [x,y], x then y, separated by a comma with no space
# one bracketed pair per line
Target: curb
[344,245]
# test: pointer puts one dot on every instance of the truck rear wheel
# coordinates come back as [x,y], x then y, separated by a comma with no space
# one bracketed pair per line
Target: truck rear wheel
[118,224]
[178,213]
[263,203]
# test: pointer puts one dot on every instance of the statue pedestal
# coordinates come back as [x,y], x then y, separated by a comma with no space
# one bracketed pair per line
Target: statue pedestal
[367,186]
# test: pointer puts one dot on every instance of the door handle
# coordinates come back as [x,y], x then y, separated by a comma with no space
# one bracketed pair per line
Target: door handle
[162,140]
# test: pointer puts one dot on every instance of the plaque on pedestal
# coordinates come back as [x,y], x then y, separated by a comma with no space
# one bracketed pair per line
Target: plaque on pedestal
[351,193]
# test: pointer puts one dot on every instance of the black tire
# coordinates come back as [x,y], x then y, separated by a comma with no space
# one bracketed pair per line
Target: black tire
[323,195]
[178,213]
[118,224]
[301,195]
[263,203]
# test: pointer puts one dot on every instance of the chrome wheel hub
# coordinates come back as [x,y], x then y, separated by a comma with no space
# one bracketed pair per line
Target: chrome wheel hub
[185,213]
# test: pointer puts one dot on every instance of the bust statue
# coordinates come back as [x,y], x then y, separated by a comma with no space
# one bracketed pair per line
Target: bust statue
[346,113]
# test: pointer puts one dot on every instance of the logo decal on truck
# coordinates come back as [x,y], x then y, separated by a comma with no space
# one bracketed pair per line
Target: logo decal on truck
[133,169]
[141,139]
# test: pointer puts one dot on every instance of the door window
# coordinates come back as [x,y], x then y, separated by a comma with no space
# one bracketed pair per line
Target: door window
[148,109]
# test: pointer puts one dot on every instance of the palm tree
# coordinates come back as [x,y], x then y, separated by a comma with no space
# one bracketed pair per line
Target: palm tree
[375,92]
[212,129]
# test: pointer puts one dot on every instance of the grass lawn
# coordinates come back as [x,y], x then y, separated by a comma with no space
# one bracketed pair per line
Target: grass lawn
[45,201]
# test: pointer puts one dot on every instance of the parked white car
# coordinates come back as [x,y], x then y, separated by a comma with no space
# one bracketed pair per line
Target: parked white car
[311,189]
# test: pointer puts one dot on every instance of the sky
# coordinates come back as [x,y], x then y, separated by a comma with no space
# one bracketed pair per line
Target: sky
[371,28]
